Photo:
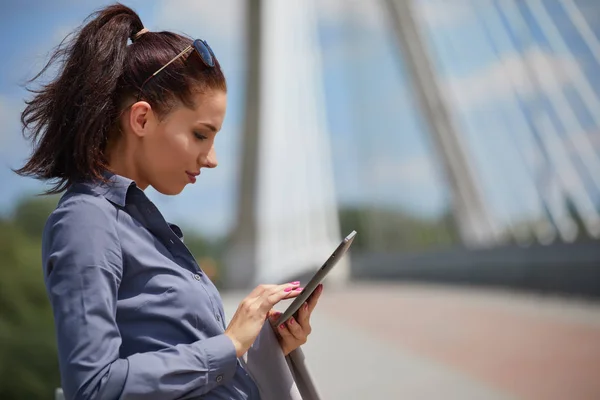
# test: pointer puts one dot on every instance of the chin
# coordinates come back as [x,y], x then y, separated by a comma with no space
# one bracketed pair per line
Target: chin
[169,190]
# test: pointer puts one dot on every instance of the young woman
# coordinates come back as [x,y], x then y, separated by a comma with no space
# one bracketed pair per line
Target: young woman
[135,316]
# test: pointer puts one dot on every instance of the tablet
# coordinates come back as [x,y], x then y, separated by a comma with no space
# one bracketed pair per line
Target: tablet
[317,278]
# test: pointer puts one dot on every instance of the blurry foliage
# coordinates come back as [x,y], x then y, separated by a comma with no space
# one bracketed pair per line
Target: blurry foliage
[28,363]
[28,359]
[388,230]
[31,213]
[208,253]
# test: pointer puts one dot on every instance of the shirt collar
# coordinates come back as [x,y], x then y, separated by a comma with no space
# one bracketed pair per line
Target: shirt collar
[115,189]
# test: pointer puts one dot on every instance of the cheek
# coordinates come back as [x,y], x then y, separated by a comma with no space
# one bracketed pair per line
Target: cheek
[168,158]
[173,150]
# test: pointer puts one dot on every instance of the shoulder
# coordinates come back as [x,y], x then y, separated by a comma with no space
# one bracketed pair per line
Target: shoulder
[82,223]
[80,206]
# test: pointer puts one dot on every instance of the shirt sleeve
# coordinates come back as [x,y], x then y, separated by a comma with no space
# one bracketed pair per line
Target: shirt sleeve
[83,268]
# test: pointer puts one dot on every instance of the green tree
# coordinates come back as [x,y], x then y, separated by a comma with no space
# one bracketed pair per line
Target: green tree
[31,213]
[385,229]
[28,359]
[208,253]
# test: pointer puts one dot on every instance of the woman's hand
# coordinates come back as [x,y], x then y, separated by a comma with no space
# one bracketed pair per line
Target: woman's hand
[253,311]
[294,333]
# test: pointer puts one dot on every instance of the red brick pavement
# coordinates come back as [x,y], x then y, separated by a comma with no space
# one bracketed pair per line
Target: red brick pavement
[530,355]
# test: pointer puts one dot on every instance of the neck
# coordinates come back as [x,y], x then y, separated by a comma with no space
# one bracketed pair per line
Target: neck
[121,162]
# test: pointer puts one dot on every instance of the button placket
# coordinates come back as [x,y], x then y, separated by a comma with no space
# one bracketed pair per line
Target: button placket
[154,222]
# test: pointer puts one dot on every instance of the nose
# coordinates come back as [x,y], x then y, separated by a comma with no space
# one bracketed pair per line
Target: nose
[211,159]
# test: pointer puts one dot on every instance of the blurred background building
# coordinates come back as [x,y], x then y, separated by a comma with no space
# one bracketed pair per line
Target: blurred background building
[460,138]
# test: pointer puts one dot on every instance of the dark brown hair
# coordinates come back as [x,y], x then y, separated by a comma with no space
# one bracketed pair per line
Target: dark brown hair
[71,118]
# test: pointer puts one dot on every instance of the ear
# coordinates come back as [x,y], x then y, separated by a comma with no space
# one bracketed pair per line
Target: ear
[141,118]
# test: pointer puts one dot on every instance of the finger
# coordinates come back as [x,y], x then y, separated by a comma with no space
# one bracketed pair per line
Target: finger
[285,333]
[273,317]
[295,292]
[260,289]
[296,330]
[303,314]
[314,298]
[266,288]
[281,292]
[305,324]
[307,308]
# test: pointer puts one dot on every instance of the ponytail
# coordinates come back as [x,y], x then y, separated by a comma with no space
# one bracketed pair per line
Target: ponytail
[70,119]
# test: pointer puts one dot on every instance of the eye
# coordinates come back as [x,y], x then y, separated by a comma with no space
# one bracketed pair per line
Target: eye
[200,136]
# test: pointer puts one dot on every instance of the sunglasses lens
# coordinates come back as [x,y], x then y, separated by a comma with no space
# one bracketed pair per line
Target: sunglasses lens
[204,52]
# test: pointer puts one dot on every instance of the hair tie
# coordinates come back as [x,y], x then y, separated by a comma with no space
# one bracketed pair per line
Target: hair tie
[139,34]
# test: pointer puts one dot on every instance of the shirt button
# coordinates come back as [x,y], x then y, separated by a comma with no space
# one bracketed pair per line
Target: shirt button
[219,378]
[197,277]
[218,317]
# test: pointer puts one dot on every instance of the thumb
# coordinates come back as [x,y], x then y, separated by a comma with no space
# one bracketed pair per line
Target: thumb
[273,316]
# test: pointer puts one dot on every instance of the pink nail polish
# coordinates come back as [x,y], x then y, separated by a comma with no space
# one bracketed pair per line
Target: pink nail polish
[299,289]
[291,321]
[296,283]
[282,326]
[305,306]
[288,289]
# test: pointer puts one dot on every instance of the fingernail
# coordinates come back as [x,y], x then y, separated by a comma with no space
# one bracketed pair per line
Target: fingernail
[282,326]
[288,289]
[276,314]
[320,288]
[292,321]
[296,283]
[299,289]
[305,306]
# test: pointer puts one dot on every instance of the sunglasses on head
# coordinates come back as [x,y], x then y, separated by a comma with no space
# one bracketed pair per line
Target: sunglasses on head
[199,46]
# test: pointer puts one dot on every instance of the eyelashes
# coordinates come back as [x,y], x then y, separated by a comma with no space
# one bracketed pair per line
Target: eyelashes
[200,136]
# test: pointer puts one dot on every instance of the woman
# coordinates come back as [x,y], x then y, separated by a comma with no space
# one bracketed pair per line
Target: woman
[135,316]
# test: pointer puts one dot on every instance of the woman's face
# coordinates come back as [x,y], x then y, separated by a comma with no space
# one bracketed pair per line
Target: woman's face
[171,151]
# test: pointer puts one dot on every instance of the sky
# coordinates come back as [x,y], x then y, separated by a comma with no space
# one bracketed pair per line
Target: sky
[381,148]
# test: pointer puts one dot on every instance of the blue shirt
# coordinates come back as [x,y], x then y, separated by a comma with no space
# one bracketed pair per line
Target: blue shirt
[135,316]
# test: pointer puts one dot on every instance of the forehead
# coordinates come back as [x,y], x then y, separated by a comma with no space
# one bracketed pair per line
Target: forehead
[208,107]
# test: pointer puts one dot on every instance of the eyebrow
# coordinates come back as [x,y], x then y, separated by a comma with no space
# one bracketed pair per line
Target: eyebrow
[209,126]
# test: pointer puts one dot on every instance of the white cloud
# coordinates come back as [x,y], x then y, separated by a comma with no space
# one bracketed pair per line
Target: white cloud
[4,115]
[33,63]
[441,14]
[585,138]
[494,81]
[595,139]
[60,33]
[411,183]
[368,14]
[226,18]
[10,133]
[222,24]
[223,19]
[413,171]
[373,14]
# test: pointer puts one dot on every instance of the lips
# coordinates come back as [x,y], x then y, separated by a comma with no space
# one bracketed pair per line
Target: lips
[192,176]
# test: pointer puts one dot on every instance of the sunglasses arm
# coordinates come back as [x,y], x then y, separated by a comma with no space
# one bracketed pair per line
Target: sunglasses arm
[174,59]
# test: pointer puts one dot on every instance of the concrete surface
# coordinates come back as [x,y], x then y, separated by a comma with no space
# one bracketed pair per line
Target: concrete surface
[400,341]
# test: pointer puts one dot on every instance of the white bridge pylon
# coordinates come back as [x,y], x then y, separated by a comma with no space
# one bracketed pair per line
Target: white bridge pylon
[287,214]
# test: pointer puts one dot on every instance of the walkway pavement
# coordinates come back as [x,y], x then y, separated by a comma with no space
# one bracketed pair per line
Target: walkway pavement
[379,341]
